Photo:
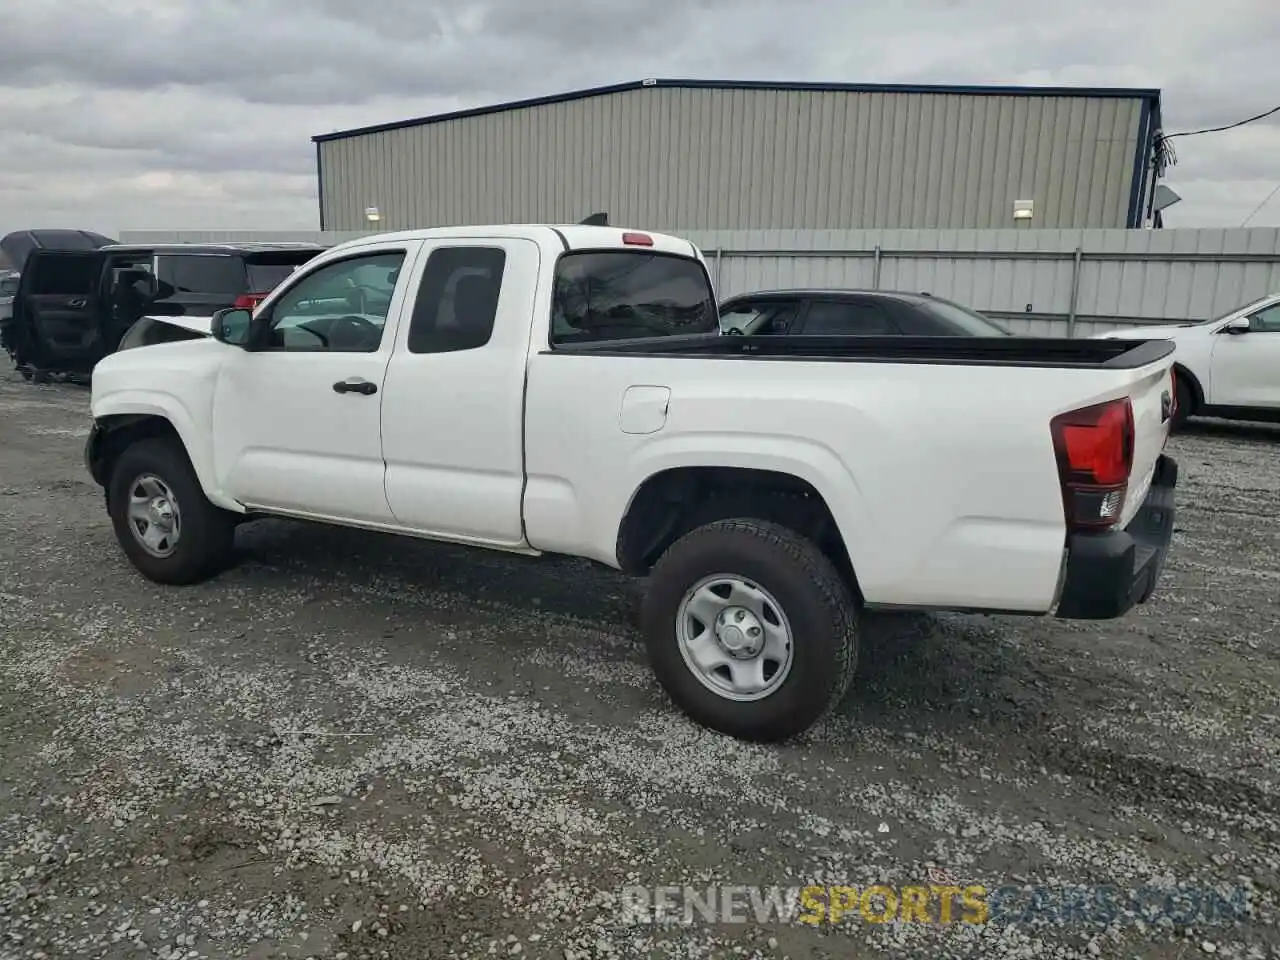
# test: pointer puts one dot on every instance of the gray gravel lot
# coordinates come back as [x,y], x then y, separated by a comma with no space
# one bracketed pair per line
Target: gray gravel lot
[356,746]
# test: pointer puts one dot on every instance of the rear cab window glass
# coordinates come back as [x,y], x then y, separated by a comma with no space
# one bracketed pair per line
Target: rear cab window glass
[627,295]
[457,300]
[202,274]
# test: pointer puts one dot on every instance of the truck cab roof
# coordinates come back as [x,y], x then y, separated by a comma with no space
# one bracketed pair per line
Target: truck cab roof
[567,236]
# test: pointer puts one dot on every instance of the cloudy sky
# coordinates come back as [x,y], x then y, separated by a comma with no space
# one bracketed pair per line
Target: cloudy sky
[136,114]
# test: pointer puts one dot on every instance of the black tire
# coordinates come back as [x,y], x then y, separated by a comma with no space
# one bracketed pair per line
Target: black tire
[206,533]
[1185,398]
[808,589]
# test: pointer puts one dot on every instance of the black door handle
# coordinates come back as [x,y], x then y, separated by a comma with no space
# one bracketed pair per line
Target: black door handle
[356,385]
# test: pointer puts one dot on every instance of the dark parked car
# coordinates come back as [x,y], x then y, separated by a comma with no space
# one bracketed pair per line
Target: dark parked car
[74,307]
[859,313]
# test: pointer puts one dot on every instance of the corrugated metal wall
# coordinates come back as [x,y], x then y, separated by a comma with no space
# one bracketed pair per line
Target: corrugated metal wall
[696,159]
[1050,282]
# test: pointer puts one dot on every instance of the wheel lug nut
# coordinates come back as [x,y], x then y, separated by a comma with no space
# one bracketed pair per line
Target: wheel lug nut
[740,617]
[753,632]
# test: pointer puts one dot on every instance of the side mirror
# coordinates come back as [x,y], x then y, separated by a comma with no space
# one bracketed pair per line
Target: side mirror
[231,326]
[1237,326]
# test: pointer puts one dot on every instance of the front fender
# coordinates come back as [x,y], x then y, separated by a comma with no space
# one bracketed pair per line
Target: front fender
[144,403]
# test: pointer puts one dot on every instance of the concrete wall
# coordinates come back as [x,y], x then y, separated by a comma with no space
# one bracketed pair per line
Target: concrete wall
[673,158]
[1051,282]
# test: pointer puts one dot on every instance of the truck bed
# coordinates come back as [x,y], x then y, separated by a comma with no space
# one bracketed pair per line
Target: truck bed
[973,351]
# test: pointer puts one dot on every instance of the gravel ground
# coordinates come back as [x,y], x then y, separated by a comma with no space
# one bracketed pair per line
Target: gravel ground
[353,746]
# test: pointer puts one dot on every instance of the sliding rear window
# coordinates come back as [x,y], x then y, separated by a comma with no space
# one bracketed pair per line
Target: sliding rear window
[628,295]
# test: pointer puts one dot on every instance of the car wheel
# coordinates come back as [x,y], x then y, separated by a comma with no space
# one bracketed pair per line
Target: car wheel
[1186,400]
[750,629]
[163,522]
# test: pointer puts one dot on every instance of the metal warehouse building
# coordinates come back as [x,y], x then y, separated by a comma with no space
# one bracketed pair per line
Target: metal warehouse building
[703,155]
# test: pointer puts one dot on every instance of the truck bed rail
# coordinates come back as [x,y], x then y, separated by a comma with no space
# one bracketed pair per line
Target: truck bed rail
[975,351]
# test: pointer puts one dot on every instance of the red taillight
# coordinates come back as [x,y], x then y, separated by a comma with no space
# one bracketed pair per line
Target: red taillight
[248,301]
[637,239]
[1094,447]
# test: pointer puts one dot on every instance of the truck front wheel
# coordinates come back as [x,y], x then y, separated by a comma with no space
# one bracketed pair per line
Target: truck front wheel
[750,629]
[164,523]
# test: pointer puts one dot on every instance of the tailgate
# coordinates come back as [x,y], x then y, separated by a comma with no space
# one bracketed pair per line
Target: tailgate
[1151,393]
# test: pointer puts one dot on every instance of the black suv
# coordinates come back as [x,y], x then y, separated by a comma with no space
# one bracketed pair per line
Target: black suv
[74,307]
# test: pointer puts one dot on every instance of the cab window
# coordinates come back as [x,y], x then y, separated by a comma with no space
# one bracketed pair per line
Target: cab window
[342,307]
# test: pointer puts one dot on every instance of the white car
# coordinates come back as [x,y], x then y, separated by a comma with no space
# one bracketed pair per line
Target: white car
[566,390]
[1227,367]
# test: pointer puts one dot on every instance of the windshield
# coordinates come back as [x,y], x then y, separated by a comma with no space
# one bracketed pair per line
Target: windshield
[969,321]
[627,294]
[1251,306]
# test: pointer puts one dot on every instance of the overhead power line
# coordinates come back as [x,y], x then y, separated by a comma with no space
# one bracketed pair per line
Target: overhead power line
[1229,126]
[1266,200]
[1166,156]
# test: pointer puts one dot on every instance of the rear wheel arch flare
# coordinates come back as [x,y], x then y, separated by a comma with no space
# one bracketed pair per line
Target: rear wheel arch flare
[672,502]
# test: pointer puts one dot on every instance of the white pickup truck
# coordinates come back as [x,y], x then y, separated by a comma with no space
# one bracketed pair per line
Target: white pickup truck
[565,390]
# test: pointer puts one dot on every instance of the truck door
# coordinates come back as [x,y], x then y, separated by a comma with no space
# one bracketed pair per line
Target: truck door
[296,420]
[453,413]
[56,310]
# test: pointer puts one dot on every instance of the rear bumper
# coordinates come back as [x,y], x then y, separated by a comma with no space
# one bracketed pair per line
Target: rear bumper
[1108,574]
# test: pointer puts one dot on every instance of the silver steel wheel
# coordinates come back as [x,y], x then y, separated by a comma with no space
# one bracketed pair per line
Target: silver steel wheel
[734,637]
[154,517]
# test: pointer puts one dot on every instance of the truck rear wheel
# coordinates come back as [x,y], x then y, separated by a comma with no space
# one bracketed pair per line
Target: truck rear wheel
[166,526]
[750,629]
